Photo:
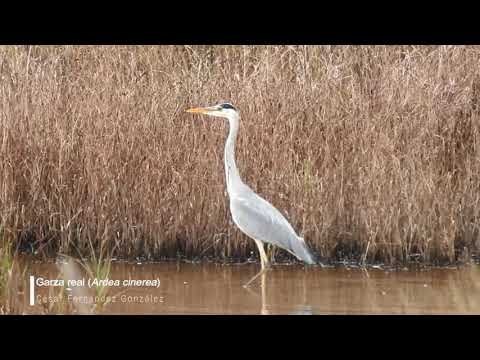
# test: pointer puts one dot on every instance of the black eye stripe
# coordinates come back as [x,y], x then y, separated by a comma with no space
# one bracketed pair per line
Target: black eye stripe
[227,106]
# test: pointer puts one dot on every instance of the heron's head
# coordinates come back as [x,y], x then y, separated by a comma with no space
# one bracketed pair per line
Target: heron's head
[224,110]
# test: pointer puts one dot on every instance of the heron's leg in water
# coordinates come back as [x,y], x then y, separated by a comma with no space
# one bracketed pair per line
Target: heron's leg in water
[264,261]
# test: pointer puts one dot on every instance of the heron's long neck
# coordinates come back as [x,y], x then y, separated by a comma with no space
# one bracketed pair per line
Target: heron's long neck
[231,170]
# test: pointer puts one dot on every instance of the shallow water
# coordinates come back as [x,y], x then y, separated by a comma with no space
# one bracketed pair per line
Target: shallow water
[285,289]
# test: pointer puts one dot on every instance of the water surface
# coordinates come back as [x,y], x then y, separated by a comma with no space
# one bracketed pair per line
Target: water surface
[285,289]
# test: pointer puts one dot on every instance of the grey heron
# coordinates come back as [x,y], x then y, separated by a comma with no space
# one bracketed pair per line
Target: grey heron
[253,215]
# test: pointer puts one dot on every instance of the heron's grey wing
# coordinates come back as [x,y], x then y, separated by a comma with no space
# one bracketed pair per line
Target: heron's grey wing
[260,220]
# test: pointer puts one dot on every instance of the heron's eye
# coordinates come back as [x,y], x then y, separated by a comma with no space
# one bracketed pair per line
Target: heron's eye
[227,106]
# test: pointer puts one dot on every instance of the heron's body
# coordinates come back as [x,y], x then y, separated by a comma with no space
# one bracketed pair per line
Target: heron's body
[253,215]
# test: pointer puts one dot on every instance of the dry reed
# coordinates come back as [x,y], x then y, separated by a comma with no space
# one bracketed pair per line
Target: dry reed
[357,145]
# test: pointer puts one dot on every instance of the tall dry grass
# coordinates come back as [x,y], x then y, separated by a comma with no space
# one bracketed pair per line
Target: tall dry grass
[371,151]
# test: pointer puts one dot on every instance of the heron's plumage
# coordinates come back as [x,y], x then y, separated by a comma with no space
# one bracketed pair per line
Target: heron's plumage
[260,220]
[254,216]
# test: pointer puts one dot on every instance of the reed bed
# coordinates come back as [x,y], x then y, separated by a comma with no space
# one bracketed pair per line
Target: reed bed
[372,152]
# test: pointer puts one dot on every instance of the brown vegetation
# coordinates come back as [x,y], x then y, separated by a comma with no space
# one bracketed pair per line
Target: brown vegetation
[370,151]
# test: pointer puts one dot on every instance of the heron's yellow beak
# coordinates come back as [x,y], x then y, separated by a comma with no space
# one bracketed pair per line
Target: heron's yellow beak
[200,110]
[196,110]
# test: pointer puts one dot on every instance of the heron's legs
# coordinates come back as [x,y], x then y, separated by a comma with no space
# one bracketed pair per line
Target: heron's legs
[263,256]
[264,261]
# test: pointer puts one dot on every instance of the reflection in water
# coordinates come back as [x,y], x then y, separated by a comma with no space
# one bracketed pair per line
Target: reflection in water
[70,270]
[301,309]
[284,289]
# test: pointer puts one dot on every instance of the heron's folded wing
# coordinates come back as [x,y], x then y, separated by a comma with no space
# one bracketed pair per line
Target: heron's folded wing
[260,220]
